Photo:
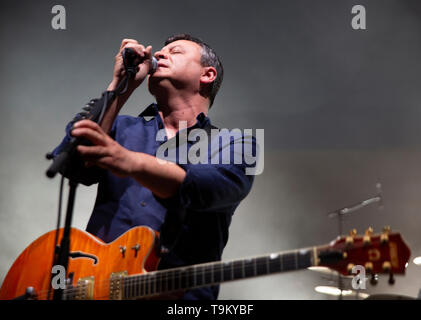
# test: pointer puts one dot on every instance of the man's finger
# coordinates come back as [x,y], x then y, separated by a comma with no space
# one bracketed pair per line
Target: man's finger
[87,124]
[148,52]
[126,41]
[92,152]
[137,48]
[95,137]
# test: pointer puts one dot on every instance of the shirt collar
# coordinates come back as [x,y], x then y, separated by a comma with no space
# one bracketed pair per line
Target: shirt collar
[152,111]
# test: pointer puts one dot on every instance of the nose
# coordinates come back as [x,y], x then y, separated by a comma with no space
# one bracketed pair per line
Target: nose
[160,55]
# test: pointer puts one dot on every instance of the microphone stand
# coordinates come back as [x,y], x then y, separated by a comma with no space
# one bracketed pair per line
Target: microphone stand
[94,111]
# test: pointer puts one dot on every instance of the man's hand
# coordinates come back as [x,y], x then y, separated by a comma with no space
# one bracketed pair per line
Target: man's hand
[142,70]
[118,75]
[106,153]
[162,177]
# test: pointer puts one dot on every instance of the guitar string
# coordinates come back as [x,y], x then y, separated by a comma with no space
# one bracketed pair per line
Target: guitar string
[170,274]
[147,288]
[150,283]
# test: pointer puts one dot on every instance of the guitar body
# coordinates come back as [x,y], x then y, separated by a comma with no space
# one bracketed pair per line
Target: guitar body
[126,267]
[133,252]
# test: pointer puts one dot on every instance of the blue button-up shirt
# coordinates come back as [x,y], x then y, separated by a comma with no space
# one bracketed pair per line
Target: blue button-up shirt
[208,195]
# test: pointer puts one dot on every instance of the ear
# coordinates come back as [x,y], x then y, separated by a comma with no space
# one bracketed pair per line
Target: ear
[208,76]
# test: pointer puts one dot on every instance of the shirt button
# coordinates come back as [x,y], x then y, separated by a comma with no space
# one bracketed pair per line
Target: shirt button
[143,203]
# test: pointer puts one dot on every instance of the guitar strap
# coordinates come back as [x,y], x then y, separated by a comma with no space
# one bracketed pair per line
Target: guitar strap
[176,215]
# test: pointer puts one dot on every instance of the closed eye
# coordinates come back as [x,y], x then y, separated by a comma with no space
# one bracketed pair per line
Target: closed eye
[176,49]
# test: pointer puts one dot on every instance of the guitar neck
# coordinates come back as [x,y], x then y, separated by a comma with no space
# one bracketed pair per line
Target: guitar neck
[201,275]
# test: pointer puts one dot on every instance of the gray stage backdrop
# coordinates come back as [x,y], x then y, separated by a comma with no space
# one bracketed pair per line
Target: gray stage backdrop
[340,109]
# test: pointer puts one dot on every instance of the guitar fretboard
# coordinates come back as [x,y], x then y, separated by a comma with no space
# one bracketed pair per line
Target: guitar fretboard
[182,278]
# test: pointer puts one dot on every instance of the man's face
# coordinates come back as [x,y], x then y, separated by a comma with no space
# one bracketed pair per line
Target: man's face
[178,66]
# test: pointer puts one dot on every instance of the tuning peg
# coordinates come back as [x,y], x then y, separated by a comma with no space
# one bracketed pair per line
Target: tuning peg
[350,239]
[369,231]
[387,266]
[349,268]
[384,237]
[391,279]
[369,267]
[374,279]
[367,236]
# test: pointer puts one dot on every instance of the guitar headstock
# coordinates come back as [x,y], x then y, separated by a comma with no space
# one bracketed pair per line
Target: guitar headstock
[377,253]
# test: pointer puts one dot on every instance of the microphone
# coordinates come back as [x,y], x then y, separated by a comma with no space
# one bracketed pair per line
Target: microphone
[131,60]
[95,110]
[154,65]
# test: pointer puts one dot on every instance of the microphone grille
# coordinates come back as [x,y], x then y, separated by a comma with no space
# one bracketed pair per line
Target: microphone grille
[154,65]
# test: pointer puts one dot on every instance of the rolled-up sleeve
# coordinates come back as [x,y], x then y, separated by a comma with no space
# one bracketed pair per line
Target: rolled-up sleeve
[214,187]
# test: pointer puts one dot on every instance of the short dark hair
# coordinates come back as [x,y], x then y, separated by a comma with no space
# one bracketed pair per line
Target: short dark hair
[208,59]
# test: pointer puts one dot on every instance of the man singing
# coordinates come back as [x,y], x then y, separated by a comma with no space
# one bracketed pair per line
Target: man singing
[134,186]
